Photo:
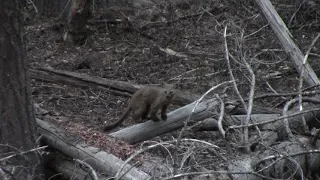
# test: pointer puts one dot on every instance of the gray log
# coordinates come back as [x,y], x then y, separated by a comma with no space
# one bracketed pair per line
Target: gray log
[176,119]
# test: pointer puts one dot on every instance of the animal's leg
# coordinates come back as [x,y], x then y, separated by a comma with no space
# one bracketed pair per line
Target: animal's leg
[153,112]
[139,113]
[146,112]
[163,112]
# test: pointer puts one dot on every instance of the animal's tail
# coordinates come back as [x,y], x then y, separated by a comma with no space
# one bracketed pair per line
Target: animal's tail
[124,116]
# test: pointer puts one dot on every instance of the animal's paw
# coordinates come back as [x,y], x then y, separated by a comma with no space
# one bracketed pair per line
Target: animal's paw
[164,117]
[155,118]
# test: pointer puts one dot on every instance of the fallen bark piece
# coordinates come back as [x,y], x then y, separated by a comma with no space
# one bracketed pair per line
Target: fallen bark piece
[80,80]
[176,119]
[76,148]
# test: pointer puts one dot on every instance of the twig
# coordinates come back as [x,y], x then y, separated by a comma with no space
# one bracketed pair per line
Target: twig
[170,143]
[117,176]
[245,37]
[187,120]
[294,14]
[179,176]
[289,104]
[222,131]
[63,10]
[34,6]
[195,77]
[235,87]
[309,93]
[129,169]
[3,172]
[161,23]
[172,52]
[250,103]
[55,175]
[230,70]
[274,120]
[22,153]
[288,155]
[176,77]
[311,87]
[301,80]
[315,138]
[189,152]
[86,167]
[170,155]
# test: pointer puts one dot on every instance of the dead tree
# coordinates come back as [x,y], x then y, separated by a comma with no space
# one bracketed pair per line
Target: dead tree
[17,127]
[284,36]
[79,13]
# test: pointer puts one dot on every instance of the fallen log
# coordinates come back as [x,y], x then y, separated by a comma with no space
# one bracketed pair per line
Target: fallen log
[206,109]
[76,148]
[84,81]
[115,87]
[62,167]
[211,124]
[273,129]
[176,119]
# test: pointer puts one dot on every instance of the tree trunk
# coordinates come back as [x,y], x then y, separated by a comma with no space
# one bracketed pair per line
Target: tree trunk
[17,127]
[79,13]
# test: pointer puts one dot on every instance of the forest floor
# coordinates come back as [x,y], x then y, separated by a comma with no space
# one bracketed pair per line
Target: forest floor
[195,31]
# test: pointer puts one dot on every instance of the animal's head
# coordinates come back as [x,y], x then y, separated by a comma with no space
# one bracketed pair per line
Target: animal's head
[168,89]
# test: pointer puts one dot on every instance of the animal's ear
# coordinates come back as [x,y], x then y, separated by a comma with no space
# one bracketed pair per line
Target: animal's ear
[164,84]
[174,86]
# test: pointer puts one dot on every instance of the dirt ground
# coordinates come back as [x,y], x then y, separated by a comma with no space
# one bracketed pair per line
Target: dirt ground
[196,31]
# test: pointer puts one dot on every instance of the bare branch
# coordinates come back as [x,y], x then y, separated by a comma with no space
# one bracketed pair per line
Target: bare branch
[230,70]
[193,110]
[86,167]
[169,143]
[302,69]
[22,153]
[222,131]
[277,119]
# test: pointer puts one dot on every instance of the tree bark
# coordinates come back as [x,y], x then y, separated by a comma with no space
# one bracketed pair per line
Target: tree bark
[17,127]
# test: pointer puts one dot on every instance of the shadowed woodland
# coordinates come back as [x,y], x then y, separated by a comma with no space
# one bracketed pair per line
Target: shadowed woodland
[245,104]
